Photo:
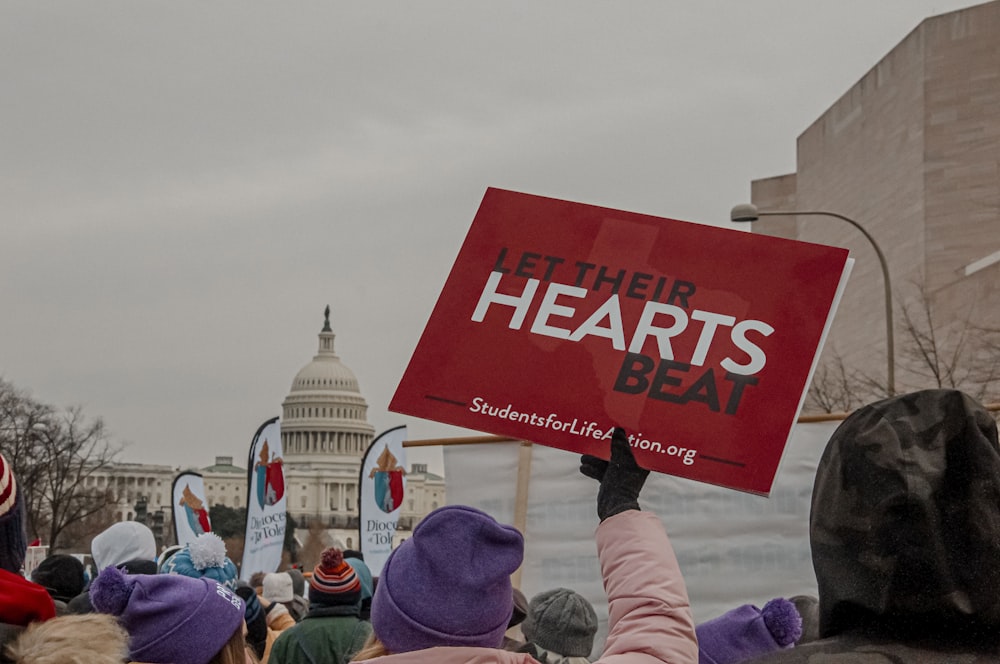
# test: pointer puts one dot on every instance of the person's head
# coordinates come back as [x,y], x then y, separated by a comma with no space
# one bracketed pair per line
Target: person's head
[254,617]
[277,587]
[561,621]
[905,520]
[13,539]
[94,638]
[234,651]
[520,609]
[123,542]
[23,602]
[166,555]
[367,582]
[448,584]
[171,618]
[298,581]
[61,575]
[808,608]
[746,632]
[204,557]
[334,582]
[364,576]
[138,566]
[257,581]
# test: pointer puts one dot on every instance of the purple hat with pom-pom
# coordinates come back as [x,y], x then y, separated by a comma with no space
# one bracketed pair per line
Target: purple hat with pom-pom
[449,584]
[169,618]
[747,632]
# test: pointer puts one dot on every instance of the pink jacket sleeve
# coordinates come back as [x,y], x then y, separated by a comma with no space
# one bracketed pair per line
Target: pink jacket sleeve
[649,616]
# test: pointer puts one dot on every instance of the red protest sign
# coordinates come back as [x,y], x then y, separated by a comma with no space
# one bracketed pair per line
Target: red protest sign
[560,320]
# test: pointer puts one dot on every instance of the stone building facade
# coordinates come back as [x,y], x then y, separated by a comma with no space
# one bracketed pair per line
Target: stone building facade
[910,152]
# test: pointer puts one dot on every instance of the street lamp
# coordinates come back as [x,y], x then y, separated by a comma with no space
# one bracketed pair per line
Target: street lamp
[749,212]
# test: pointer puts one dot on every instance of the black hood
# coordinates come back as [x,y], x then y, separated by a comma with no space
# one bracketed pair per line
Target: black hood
[905,520]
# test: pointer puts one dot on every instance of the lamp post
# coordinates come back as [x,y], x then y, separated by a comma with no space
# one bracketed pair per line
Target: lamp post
[748,212]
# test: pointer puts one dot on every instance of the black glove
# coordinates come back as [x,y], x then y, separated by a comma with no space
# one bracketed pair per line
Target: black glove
[621,478]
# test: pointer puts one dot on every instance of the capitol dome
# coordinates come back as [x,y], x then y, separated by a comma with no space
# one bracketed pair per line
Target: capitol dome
[326,371]
[324,417]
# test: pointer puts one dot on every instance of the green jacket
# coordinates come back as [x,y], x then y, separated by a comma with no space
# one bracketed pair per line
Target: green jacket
[327,635]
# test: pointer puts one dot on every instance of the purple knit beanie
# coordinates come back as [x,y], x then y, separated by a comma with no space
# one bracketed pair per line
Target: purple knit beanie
[449,584]
[169,618]
[747,632]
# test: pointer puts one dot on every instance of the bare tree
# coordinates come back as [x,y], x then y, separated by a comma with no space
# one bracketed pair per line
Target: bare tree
[53,455]
[932,352]
[955,353]
[75,450]
[989,354]
[316,541]
[835,388]
[23,423]
[78,535]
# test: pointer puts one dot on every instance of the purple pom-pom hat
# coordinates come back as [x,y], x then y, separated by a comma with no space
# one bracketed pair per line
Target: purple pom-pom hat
[169,618]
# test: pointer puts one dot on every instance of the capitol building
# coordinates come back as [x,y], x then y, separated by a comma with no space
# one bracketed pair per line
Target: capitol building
[324,435]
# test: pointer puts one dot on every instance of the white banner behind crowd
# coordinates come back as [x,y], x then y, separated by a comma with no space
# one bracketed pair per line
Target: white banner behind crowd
[383,486]
[265,533]
[734,548]
[190,513]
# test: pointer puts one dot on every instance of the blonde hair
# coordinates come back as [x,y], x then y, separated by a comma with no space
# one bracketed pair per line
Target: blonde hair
[93,638]
[373,648]
[235,651]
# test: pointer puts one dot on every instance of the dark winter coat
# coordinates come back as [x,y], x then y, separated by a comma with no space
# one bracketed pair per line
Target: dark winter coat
[905,535]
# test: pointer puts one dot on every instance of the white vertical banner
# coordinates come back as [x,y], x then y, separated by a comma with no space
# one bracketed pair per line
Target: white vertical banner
[733,547]
[382,487]
[190,510]
[265,532]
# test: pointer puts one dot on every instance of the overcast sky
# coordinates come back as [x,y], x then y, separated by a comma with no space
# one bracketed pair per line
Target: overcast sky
[185,186]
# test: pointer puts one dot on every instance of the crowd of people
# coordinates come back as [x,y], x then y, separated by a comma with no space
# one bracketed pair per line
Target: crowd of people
[904,530]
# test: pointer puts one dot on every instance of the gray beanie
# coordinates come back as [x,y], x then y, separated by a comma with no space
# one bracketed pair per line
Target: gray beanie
[562,622]
[298,581]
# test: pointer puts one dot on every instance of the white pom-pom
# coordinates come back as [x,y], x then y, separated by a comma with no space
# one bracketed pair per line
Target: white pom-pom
[207,550]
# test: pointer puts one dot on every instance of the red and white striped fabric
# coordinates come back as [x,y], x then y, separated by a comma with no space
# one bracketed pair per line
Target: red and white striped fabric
[334,581]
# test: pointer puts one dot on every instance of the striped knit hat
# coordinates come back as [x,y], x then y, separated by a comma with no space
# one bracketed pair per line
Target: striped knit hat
[334,581]
[13,539]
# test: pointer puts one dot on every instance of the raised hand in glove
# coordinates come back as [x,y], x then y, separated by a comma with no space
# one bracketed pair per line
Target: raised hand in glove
[621,478]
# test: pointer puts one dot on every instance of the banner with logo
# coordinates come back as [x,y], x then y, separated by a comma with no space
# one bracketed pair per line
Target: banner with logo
[382,489]
[190,509]
[265,533]
[561,320]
